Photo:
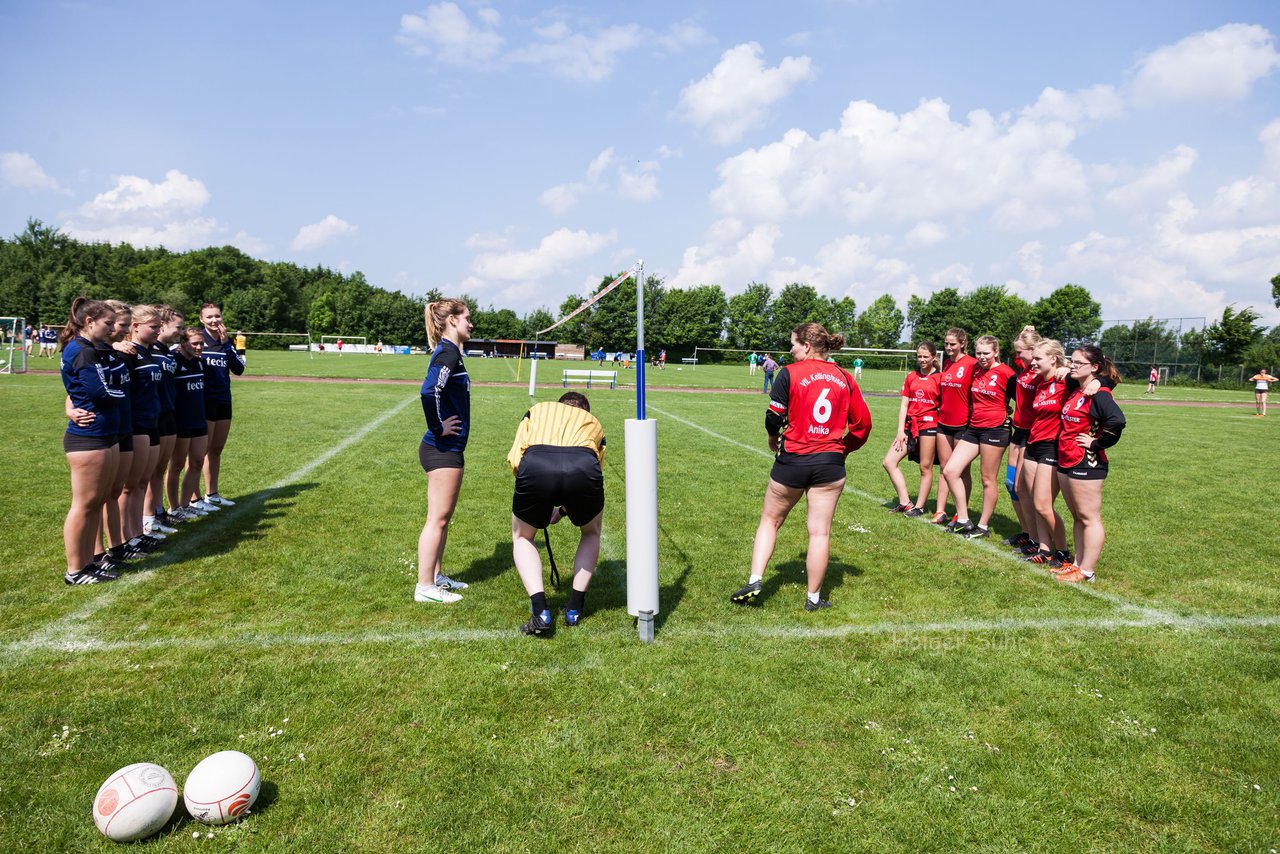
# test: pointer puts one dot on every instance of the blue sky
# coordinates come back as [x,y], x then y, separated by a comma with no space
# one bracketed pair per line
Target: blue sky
[520,151]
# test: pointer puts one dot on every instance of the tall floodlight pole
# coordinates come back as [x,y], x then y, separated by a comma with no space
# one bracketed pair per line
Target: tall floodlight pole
[641,446]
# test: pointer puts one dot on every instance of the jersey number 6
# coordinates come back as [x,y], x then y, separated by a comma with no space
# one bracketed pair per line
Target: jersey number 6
[822,407]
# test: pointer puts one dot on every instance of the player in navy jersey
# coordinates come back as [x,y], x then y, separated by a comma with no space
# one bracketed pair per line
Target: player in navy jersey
[144,399]
[90,441]
[118,377]
[1090,425]
[446,404]
[183,480]
[220,361]
[992,386]
[816,418]
[156,518]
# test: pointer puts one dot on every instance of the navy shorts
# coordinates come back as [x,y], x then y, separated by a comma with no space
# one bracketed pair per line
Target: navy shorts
[192,432]
[72,443]
[550,476]
[167,424]
[217,410]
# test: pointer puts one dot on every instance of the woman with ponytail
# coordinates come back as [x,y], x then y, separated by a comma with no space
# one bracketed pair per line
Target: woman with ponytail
[816,418]
[1090,425]
[918,426]
[1028,381]
[953,415]
[446,404]
[144,400]
[91,438]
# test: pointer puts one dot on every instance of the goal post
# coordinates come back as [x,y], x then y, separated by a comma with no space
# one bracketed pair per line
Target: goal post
[300,341]
[13,349]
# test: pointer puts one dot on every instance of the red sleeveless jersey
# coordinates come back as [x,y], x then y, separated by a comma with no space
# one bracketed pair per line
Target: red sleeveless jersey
[1028,384]
[823,408]
[989,396]
[957,376]
[1046,410]
[922,393]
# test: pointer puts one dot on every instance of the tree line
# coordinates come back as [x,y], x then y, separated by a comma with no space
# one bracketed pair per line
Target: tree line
[42,270]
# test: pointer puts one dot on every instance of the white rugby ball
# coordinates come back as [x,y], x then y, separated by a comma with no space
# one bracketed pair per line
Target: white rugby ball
[135,802]
[222,787]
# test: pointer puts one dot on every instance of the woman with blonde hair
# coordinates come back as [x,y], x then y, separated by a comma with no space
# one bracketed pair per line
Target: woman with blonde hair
[953,414]
[191,428]
[1024,395]
[918,426]
[156,517]
[816,418]
[446,404]
[144,400]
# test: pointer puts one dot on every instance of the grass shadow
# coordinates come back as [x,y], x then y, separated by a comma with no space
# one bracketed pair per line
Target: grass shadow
[491,566]
[794,571]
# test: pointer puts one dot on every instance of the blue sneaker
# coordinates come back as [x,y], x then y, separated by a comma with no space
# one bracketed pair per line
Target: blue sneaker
[571,617]
[539,624]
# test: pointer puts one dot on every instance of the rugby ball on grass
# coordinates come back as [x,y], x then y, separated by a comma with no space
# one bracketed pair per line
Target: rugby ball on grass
[135,802]
[222,787]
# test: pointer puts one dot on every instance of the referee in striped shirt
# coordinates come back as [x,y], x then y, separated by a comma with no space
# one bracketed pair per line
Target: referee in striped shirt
[557,457]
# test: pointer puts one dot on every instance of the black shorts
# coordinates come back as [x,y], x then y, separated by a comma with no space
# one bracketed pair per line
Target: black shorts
[152,434]
[1042,453]
[126,444]
[930,431]
[550,477]
[1020,436]
[431,458]
[217,410]
[997,437]
[799,473]
[72,443]
[192,433]
[167,424]
[953,432]
[1084,471]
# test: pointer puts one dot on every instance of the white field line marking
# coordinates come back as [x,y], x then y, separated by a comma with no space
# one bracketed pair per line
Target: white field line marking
[1152,613]
[264,640]
[73,625]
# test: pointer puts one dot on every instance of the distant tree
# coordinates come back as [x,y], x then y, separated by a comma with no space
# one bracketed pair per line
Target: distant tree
[992,310]
[1231,336]
[691,318]
[749,318]
[538,319]
[573,331]
[931,318]
[612,320]
[842,317]
[796,303]
[498,323]
[881,324]
[1275,289]
[1069,314]
[1147,341]
[1263,354]
[322,317]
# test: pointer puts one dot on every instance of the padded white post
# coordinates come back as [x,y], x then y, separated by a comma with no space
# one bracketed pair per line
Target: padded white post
[641,447]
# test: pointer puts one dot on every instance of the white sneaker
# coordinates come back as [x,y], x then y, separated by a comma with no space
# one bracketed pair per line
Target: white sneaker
[153,532]
[433,593]
[206,506]
[216,499]
[163,528]
[194,510]
[444,582]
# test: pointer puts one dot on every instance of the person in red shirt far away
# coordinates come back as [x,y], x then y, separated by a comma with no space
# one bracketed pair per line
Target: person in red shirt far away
[816,418]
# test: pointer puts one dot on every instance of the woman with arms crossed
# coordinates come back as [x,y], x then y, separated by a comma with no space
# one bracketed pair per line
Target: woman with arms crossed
[1089,426]
[220,361]
[91,443]
[918,420]
[953,415]
[446,403]
[816,418]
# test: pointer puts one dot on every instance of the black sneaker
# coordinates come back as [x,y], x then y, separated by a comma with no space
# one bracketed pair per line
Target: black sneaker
[914,513]
[747,594]
[810,605]
[89,575]
[108,564]
[979,533]
[539,624]
[1019,541]
[900,508]
[963,529]
[149,542]
[1060,559]
[1029,549]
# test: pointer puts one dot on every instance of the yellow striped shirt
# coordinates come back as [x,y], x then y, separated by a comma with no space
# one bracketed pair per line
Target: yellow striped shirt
[557,424]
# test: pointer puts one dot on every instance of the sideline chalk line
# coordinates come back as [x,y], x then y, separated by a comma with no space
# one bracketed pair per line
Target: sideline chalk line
[71,628]
[1147,611]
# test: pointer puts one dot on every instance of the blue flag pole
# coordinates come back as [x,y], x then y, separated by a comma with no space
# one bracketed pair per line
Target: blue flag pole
[640,359]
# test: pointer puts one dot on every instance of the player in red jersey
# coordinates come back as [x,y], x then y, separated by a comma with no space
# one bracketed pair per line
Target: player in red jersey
[918,424]
[953,417]
[991,388]
[1089,426]
[816,418]
[1028,380]
[1152,378]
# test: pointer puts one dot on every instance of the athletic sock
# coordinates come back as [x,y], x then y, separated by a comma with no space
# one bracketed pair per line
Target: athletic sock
[753,579]
[576,599]
[814,597]
[539,601]
[148,520]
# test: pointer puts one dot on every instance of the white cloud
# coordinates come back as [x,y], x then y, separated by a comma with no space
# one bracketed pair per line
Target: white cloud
[602,162]
[18,169]
[562,198]
[639,184]
[636,183]
[1217,65]
[927,234]
[738,92]
[731,255]
[555,253]
[1158,182]
[1097,103]
[250,245]
[318,234]
[445,33]
[143,213]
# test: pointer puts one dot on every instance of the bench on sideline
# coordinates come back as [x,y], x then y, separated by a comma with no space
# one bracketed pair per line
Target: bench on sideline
[589,377]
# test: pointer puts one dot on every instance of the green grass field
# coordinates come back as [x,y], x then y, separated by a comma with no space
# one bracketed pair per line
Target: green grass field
[952,699]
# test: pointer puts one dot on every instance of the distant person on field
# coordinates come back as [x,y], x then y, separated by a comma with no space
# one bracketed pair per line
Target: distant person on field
[242,344]
[662,359]
[339,346]
[1152,379]
[816,418]
[377,348]
[857,368]
[770,368]
[29,339]
[1261,383]
[752,360]
[557,458]
[446,404]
